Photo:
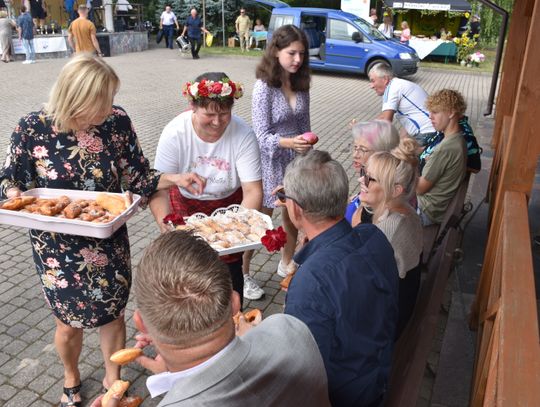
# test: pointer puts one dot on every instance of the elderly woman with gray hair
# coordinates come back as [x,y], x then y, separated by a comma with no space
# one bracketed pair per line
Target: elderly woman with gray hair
[368,138]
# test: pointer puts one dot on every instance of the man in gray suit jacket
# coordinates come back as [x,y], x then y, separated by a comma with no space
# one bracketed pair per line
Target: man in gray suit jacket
[185,307]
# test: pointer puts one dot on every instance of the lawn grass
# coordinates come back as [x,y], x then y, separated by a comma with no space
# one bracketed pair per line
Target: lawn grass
[486,66]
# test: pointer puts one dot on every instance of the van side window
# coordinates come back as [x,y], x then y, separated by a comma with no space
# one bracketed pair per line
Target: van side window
[341,30]
[277,21]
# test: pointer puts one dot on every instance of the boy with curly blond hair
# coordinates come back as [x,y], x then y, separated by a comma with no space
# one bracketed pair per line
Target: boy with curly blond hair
[446,166]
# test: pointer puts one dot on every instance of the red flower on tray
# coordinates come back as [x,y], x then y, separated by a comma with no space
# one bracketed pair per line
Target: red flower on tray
[274,239]
[174,219]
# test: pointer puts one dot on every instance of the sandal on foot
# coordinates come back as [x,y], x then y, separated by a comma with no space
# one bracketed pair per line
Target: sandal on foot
[70,392]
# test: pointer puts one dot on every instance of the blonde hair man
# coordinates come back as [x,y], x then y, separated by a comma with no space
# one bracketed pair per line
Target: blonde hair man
[446,166]
[83,31]
[185,308]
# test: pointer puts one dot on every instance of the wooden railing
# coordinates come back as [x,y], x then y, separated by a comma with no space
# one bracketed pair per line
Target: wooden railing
[507,367]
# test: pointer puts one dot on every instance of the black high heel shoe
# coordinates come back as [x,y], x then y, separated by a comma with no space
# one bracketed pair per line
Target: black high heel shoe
[70,392]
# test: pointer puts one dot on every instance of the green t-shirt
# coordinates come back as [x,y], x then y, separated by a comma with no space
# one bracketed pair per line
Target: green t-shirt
[445,169]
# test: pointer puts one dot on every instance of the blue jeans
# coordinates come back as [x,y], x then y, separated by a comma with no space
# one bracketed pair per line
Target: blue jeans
[28,46]
[168,32]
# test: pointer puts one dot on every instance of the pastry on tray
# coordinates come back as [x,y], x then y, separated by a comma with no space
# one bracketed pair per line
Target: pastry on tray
[228,229]
[105,208]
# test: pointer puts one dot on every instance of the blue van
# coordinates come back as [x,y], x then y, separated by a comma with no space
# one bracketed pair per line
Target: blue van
[340,41]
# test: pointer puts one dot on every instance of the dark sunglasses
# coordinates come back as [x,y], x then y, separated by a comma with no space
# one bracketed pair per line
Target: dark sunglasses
[367,178]
[280,194]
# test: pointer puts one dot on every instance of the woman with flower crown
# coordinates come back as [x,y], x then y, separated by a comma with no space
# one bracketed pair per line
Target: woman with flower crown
[280,113]
[210,141]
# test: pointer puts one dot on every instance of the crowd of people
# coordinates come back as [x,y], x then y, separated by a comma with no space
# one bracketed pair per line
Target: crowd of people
[355,277]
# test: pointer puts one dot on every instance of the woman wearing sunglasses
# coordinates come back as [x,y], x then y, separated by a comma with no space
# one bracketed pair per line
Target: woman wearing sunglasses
[386,186]
[368,138]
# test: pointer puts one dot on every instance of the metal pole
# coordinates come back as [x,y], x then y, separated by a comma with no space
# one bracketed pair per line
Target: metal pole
[223,20]
[204,22]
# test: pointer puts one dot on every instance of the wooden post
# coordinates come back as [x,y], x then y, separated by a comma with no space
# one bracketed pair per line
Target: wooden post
[513,58]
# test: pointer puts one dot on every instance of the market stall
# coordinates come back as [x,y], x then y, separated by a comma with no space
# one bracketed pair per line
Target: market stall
[427,18]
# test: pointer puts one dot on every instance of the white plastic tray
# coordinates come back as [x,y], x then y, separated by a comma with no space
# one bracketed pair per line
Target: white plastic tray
[242,247]
[63,225]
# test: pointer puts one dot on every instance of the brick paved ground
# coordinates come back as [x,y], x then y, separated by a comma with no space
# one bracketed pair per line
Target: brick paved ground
[30,373]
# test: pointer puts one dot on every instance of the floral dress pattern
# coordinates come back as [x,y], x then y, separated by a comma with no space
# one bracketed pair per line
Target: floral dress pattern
[86,281]
[273,118]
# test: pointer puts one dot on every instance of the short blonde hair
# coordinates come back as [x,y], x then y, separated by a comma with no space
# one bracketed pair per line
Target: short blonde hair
[85,86]
[3,14]
[397,167]
[447,100]
[183,290]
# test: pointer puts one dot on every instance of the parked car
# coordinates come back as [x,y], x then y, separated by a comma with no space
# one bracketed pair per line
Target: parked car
[340,41]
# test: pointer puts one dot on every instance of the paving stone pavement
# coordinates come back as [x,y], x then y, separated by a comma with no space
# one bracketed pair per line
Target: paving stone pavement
[30,372]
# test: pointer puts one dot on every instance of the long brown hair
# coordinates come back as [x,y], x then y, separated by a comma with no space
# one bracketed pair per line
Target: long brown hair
[269,70]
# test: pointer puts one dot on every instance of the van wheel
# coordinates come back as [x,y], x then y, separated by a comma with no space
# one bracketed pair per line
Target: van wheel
[375,62]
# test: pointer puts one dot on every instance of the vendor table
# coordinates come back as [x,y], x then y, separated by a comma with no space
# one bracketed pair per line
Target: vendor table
[427,47]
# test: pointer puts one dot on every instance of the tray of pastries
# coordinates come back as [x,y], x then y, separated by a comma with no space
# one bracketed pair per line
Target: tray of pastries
[230,230]
[74,212]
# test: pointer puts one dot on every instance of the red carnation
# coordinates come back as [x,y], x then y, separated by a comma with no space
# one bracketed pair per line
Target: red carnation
[274,239]
[216,88]
[203,89]
[233,88]
[174,218]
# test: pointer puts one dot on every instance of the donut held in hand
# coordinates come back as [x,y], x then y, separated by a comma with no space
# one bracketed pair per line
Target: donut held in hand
[310,137]
[118,388]
[124,356]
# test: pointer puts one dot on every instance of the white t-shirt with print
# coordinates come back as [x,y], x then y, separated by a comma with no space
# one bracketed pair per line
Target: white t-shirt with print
[226,163]
[408,100]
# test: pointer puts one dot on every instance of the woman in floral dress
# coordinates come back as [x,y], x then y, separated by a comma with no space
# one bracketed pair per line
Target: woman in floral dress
[280,114]
[81,141]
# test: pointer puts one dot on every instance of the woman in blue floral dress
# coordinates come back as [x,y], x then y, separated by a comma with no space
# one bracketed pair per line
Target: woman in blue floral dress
[81,141]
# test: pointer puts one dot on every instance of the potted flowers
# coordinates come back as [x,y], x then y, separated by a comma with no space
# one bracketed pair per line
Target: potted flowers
[476,58]
[465,45]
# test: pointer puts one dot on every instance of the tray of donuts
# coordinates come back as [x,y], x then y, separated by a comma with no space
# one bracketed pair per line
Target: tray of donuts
[230,230]
[74,212]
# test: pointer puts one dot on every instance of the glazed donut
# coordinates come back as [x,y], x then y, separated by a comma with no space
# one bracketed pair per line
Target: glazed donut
[117,389]
[131,401]
[253,316]
[72,210]
[124,356]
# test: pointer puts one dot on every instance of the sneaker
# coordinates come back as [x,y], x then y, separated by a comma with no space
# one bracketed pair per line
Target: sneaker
[26,62]
[282,269]
[32,61]
[252,291]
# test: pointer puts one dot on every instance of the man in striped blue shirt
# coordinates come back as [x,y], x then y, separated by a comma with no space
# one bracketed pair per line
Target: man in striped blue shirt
[404,99]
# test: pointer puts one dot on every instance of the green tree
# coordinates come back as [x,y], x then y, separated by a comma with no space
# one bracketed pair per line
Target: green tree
[490,22]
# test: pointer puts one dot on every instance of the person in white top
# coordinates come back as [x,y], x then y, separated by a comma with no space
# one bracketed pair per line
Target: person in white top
[167,21]
[218,146]
[404,99]
[386,27]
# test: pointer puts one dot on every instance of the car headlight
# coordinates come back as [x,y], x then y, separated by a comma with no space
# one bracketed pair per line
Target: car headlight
[405,55]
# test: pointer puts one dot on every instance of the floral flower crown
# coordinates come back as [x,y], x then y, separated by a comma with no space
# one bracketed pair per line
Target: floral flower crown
[212,89]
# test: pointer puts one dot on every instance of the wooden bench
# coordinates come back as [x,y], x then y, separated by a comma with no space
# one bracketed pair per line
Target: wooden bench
[457,209]
[413,347]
